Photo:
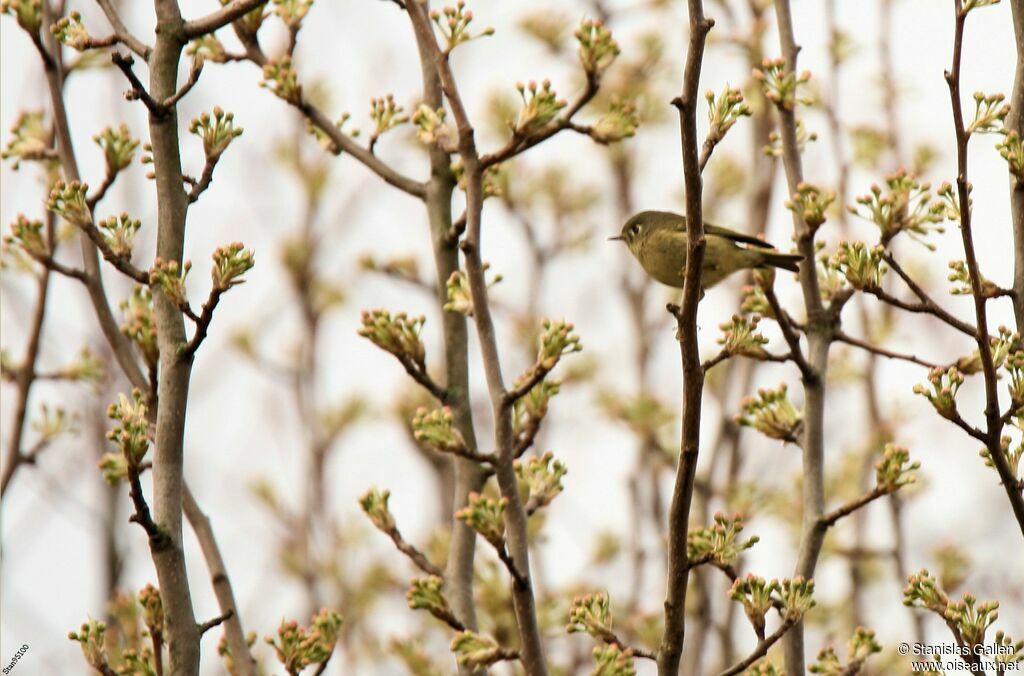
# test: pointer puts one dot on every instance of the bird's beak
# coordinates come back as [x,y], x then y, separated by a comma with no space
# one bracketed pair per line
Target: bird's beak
[616,238]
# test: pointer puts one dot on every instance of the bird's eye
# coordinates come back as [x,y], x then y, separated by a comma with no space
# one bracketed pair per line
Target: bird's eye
[635,229]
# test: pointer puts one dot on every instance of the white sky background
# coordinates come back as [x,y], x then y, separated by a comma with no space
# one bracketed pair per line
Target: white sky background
[242,426]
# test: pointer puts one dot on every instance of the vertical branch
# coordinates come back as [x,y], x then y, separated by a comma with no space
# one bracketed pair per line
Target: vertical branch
[469,475]
[992,418]
[175,368]
[532,648]
[820,326]
[1015,122]
[693,373]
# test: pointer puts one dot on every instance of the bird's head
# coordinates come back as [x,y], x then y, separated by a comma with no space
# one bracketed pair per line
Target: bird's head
[639,226]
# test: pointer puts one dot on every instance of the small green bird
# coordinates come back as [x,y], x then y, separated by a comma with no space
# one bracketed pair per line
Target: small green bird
[658,240]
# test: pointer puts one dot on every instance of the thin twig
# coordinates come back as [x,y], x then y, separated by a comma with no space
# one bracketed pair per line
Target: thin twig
[222,17]
[843,337]
[138,92]
[210,624]
[761,649]
[992,416]
[122,32]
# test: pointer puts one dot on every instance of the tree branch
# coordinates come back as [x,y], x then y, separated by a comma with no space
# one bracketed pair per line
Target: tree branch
[217,20]
[671,648]
[992,416]
[843,337]
[761,649]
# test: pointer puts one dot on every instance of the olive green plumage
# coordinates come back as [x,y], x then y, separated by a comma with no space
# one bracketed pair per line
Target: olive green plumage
[658,240]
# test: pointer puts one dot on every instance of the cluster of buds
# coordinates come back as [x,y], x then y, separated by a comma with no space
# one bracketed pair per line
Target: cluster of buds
[425,593]
[1011,148]
[152,609]
[1014,366]
[860,647]
[140,324]
[375,503]
[951,200]
[869,143]
[540,106]
[292,12]
[119,233]
[620,121]
[30,140]
[1006,649]
[592,614]
[989,113]
[398,335]
[757,596]
[546,27]
[598,49]
[28,13]
[436,430]
[280,77]
[718,543]
[430,126]
[556,341]
[960,276]
[781,85]
[69,201]
[904,205]
[169,277]
[644,414]
[132,432]
[386,115]
[772,414]
[811,202]
[976,4]
[1012,456]
[325,141]
[724,111]
[894,469]
[453,22]
[298,647]
[70,31]
[459,297]
[493,183]
[217,131]
[230,262]
[476,651]
[52,423]
[530,409]
[797,597]
[740,337]
[28,236]
[250,23]
[945,383]
[831,280]
[613,660]
[92,638]
[540,479]
[118,147]
[860,265]
[486,516]
[967,617]
[85,368]
[754,301]
[207,48]
[803,137]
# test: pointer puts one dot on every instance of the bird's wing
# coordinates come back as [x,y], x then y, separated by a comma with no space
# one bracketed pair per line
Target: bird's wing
[735,236]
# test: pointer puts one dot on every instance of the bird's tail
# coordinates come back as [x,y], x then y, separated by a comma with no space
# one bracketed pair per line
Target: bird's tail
[780,260]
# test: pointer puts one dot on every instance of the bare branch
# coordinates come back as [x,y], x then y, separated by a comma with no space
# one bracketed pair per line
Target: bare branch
[217,20]
[121,31]
[761,649]
[843,337]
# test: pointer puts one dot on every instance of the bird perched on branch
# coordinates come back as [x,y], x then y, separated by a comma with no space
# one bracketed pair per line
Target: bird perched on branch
[658,240]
